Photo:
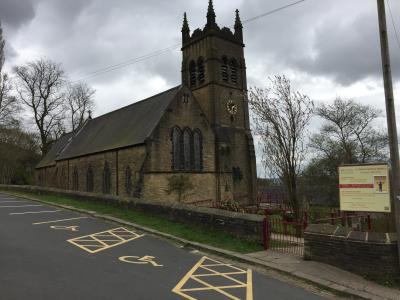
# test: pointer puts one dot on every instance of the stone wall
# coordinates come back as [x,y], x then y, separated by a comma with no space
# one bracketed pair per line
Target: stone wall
[158,168]
[246,226]
[61,174]
[365,253]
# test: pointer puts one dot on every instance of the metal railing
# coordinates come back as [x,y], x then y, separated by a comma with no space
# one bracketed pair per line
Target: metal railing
[284,235]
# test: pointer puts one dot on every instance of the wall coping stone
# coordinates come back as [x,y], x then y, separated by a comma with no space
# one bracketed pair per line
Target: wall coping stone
[326,229]
[357,236]
[177,206]
[342,231]
[336,231]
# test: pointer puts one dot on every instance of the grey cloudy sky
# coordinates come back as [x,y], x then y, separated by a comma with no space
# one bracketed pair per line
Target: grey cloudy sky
[327,48]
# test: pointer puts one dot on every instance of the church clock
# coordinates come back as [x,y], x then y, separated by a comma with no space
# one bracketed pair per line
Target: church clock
[231,107]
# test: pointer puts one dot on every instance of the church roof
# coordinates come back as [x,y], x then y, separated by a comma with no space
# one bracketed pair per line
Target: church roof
[124,127]
[49,159]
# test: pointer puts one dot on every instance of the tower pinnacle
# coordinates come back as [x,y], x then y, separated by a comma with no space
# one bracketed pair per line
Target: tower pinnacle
[210,15]
[238,27]
[185,29]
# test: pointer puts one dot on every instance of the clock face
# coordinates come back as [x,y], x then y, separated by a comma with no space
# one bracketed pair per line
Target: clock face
[231,107]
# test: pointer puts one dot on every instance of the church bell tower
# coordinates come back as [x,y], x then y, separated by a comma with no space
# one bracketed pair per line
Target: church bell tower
[214,69]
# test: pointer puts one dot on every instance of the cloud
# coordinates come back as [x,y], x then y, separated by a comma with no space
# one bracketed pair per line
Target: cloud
[14,13]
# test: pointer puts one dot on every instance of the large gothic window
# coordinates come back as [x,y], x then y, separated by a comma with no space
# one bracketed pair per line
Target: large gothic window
[106,179]
[187,149]
[128,180]
[192,73]
[200,70]
[197,150]
[176,148]
[89,179]
[224,69]
[75,179]
[233,69]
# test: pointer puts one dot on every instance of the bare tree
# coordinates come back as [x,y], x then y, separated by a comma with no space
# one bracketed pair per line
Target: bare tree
[8,104]
[347,136]
[2,43]
[281,118]
[80,102]
[348,128]
[39,87]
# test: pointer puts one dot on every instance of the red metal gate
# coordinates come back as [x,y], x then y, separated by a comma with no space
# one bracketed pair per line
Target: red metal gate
[284,235]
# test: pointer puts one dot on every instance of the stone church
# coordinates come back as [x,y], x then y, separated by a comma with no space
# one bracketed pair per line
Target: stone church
[199,128]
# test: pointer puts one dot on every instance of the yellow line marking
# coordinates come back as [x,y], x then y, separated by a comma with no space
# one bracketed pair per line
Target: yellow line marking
[213,288]
[13,206]
[62,220]
[85,242]
[207,288]
[178,287]
[223,275]
[217,274]
[36,212]
[249,293]
[181,290]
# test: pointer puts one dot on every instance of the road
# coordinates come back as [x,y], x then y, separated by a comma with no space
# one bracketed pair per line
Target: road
[48,253]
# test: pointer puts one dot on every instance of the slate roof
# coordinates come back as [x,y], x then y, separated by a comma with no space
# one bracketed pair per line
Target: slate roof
[126,126]
[50,158]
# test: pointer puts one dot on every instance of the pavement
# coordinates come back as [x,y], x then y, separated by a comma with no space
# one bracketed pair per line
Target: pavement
[325,275]
[51,252]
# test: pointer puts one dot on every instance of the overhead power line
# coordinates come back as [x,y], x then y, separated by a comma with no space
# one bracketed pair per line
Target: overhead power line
[127,62]
[135,60]
[273,11]
[394,24]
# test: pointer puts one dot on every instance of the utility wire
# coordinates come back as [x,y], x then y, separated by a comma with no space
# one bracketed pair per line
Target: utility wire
[273,11]
[128,62]
[394,24]
[170,48]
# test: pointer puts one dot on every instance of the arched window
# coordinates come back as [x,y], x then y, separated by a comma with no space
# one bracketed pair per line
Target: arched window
[176,148]
[200,70]
[75,179]
[106,179]
[187,149]
[233,69]
[198,150]
[192,73]
[89,179]
[128,180]
[224,69]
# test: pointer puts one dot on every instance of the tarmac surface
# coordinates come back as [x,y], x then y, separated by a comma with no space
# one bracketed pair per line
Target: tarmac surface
[51,253]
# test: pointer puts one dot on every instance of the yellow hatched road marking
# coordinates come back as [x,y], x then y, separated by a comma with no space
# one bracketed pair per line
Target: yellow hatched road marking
[223,275]
[183,287]
[101,240]
[213,288]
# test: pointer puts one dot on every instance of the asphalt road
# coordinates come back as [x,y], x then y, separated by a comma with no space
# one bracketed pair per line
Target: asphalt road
[48,253]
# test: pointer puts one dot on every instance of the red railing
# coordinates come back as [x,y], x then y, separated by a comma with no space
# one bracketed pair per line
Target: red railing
[284,235]
[348,219]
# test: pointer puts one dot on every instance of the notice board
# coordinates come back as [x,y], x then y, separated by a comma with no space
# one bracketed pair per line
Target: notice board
[364,188]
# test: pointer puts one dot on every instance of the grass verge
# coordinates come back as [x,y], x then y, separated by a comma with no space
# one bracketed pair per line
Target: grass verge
[216,238]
